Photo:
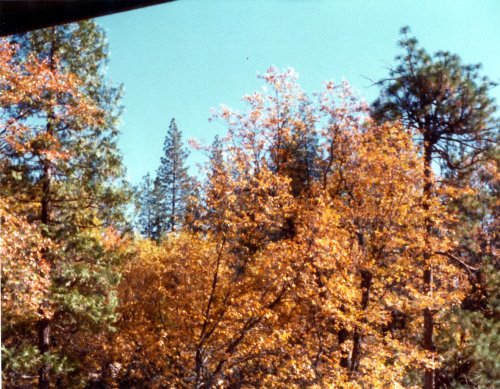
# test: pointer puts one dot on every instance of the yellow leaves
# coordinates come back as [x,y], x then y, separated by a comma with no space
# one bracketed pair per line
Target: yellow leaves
[55,94]
[25,272]
[285,282]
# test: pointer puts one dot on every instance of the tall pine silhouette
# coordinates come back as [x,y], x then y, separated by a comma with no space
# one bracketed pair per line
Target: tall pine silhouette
[173,180]
[447,103]
[150,216]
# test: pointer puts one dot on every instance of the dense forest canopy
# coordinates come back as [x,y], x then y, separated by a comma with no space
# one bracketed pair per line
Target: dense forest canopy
[321,247]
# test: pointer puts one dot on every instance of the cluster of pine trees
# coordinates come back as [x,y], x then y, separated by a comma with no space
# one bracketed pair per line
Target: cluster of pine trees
[163,201]
[329,243]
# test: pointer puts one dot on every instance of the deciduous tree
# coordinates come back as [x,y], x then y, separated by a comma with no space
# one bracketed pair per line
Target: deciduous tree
[285,286]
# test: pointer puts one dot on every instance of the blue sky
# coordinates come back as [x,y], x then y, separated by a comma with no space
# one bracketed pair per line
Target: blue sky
[180,59]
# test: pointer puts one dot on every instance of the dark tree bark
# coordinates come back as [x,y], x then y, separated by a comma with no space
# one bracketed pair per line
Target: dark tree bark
[428,330]
[366,283]
[44,322]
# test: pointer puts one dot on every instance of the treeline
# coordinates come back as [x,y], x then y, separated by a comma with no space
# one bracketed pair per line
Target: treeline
[328,243]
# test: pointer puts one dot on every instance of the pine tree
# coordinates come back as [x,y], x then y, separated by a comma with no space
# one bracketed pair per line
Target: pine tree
[446,103]
[174,181]
[150,213]
[69,175]
[444,100]
[470,343]
[146,206]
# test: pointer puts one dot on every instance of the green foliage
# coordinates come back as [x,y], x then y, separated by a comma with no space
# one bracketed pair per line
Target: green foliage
[472,348]
[444,99]
[173,180]
[470,343]
[163,202]
[149,208]
[448,104]
[22,362]
[75,196]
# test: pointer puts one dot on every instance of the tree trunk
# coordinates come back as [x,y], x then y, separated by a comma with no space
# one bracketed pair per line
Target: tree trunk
[366,281]
[44,322]
[342,336]
[428,341]
[173,215]
[43,346]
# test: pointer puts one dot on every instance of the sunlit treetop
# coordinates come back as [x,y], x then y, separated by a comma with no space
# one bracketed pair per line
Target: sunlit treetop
[447,101]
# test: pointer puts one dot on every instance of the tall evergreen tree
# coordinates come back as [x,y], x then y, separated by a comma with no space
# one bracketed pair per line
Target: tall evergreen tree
[447,104]
[146,206]
[471,343]
[150,215]
[73,195]
[174,181]
[444,100]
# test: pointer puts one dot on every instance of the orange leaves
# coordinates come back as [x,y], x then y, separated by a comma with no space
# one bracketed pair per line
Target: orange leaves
[308,272]
[25,273]
[34,85]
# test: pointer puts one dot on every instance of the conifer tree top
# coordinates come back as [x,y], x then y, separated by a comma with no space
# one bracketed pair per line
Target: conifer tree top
[444,99]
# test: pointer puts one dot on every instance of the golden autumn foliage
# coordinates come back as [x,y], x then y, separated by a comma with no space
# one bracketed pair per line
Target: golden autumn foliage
[25,271]
[39,83]
[303,268]
[25,280]
[298,278]
[320,250]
